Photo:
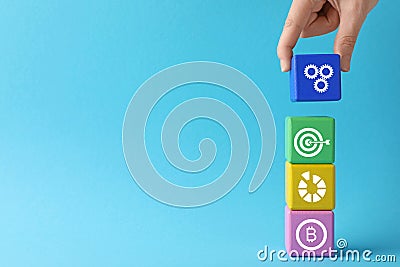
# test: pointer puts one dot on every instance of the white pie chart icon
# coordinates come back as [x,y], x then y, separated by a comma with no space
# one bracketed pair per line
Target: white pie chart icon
[304,190]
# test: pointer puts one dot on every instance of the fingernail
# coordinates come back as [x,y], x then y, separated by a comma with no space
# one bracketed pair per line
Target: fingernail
[284,66]
[345,66]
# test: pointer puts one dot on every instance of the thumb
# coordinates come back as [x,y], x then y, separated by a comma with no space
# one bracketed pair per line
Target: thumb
[349,27]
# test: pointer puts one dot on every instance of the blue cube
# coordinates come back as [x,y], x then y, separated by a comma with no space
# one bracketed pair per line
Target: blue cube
[315,78]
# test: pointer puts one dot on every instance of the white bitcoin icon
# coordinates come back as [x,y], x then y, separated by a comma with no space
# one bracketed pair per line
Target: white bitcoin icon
[308,142]
[311,234]
[309,228]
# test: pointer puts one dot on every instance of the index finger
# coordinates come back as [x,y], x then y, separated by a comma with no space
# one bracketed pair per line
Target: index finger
[297,18]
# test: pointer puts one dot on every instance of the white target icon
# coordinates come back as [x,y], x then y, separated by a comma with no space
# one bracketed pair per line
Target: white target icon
[309,142]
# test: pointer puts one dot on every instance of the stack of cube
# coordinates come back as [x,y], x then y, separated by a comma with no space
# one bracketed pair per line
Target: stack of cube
[310,154]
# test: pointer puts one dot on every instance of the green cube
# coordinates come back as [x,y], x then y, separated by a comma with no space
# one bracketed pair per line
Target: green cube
[310,140]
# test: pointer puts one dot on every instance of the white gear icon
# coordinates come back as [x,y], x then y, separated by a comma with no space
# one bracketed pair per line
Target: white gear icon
[311,67]
[323,89]
[323,68]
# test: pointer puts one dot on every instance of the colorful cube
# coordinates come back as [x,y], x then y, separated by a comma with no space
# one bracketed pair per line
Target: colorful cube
[315,78]
[310,231]
[310,140]
[310,186]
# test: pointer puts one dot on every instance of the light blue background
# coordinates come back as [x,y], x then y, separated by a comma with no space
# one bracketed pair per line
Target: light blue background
[68,70]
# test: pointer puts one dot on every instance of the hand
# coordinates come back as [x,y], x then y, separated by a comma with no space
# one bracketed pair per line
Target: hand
[309,18]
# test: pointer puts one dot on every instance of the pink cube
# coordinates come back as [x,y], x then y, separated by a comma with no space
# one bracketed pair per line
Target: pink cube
[309,231]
